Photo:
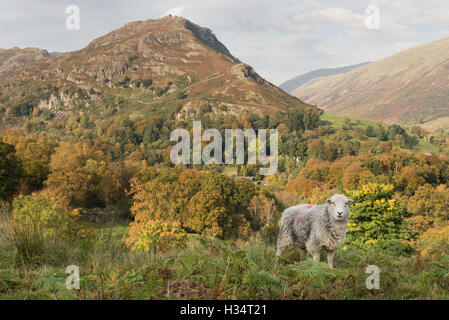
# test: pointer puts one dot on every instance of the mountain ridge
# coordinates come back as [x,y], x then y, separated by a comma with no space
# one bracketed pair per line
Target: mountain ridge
[409,87]
[165,63]
[298,81]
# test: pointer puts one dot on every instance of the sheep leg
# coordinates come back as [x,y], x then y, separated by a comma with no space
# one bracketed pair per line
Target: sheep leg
[281,247]
[316,255]
[284,241]
[302,254]
[330,259]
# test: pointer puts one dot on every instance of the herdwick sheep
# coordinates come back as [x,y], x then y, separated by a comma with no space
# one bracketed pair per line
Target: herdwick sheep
[315,227]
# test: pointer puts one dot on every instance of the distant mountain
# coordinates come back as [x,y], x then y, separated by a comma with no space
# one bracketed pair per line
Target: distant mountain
[153,66]
[296,82]
[15,59]
[409,87]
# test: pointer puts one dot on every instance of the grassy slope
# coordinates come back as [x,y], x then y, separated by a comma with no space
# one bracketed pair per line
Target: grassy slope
[338,122]
[409,87]
[218,269]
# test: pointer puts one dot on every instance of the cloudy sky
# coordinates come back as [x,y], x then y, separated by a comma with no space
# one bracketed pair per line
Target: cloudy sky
[280,39]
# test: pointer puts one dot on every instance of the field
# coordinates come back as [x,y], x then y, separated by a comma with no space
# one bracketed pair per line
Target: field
[213,269]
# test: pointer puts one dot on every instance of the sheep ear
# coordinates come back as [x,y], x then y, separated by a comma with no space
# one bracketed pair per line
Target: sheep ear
[328,201]
[350,201]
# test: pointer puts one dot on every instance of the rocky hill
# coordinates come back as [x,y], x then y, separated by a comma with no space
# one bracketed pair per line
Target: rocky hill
[14,60]
[408,87]
[152,65]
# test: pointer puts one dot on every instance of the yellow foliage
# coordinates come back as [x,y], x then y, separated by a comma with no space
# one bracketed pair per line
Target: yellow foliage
[35,211]
[372,190]
[158,235]
[78,170]
[430,241]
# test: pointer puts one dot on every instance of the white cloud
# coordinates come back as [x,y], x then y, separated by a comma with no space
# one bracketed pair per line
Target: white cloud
[281,39]
[177,11]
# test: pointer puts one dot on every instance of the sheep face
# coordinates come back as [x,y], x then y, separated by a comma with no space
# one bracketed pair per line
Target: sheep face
[338,206]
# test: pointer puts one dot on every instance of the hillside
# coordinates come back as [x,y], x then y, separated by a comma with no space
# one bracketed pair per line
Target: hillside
[409,87]
[14,60]
[167,66]
[296,82]
[87,180]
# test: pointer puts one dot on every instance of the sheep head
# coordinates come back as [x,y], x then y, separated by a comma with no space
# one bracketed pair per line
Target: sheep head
[338,206]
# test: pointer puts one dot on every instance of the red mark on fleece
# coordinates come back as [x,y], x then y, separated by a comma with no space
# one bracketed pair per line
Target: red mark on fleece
[299,221]
[309,206]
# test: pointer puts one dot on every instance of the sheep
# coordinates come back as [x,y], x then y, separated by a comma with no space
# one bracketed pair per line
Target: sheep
[315,227]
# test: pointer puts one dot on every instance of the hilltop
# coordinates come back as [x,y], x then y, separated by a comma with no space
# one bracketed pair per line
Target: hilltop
[168,66]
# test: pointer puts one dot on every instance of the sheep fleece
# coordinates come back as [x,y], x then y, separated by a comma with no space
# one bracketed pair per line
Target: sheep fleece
[309,227]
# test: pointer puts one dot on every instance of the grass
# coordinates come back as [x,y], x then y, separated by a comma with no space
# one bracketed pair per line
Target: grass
[338,122]
[214,269]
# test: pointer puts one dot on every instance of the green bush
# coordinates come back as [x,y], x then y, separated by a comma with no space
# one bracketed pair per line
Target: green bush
[147,83]
[41,231]
[376,216]
[37,211]
[395,248]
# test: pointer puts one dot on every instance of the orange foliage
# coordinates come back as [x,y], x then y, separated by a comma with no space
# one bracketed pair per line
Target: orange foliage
[302,186]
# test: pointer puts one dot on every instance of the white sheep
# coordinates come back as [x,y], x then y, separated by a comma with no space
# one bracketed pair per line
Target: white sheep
[315,227]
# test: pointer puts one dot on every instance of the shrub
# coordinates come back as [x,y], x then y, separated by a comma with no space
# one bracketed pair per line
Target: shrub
[5,209]
[147,83]
[158,91]
[40,231]
[395,248]
[45,215]
[434,242]
[158,235]
[375,216]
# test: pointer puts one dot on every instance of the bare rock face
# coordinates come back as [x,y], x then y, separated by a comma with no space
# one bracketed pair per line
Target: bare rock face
[158,49]
[207,36]
[244,71]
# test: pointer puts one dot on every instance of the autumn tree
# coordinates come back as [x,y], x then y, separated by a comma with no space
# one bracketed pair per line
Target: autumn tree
[79,176]
[208,214]
[162,194]
[303,186]
[431,203]
[408,180]
[351,175]
[263,211]
[35,155]
[202,202]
